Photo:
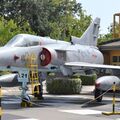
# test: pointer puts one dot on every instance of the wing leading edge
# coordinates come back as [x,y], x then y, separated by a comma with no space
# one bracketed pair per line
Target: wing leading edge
[92,65]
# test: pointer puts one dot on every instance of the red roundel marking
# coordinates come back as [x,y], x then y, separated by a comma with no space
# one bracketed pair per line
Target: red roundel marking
[45,57]
[16,57]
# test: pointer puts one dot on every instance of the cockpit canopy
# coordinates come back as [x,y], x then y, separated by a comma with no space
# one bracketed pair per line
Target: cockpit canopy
[23,40]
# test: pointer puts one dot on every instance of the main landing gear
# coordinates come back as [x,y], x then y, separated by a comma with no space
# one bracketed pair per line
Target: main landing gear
[98,95]
[38,92]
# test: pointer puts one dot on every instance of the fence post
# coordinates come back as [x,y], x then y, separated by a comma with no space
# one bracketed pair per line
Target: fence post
[113,103]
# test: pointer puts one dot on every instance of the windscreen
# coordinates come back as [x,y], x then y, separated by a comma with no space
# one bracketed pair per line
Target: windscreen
[18,40]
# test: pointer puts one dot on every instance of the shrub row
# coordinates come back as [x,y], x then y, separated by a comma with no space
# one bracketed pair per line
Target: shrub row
[63,85]
[68,85]
[88,79]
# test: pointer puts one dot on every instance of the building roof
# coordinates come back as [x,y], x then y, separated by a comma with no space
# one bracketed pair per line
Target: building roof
[110,45]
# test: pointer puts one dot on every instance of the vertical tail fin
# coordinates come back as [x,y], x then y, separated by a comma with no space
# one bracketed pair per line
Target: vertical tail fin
[90,36]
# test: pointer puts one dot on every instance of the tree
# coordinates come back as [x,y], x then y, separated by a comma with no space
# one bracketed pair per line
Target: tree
[70,19]
[104,38]
[55,18]
[32,11]
[9,28]
[109,36]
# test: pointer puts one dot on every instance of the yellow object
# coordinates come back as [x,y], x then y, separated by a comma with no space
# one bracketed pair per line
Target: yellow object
[116,25]
[26,104]
[0,92]
[111,113]
[33,72]
[1,111]
[113,103]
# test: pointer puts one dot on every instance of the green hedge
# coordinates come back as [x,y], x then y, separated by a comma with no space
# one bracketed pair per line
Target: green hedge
[63,85]
[88,79]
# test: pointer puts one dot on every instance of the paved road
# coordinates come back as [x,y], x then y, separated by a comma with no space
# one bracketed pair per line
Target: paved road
[59,107]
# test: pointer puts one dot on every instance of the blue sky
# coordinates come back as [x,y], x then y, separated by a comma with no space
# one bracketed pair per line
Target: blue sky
[103,9]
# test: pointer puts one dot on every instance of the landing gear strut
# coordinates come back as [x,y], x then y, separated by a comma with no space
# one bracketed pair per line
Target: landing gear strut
[25,101]
[38,94]
[97,94]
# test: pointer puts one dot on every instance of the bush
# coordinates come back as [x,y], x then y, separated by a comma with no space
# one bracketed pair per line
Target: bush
[88,79]
[63,85]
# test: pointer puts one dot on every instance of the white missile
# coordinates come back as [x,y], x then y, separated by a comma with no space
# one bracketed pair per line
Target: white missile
[9,80]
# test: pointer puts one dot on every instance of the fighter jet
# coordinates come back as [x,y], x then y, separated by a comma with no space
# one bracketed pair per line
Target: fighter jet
[14,52]
[13,55]
[67,57]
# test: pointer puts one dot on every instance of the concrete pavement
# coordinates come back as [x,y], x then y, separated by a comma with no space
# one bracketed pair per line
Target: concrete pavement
[58,107]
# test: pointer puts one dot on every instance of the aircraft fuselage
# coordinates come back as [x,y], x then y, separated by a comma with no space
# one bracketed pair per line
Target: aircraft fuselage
[59,54]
